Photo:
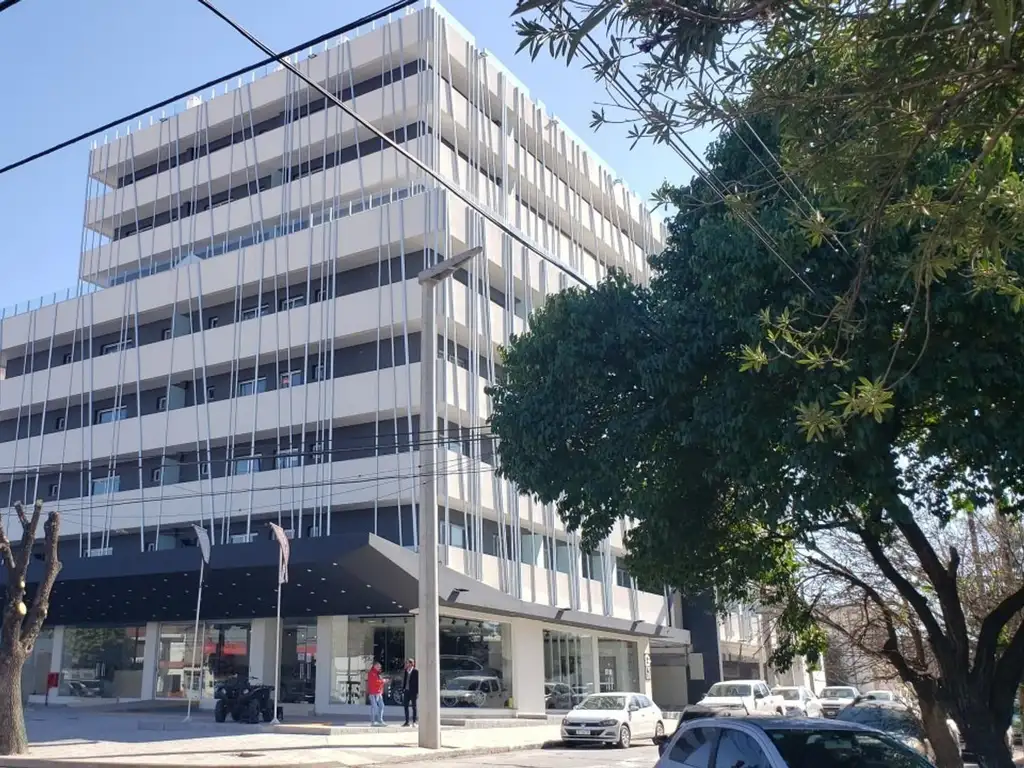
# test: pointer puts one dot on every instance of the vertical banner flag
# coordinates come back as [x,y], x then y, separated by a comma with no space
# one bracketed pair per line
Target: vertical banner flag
[282,541]
[204,542]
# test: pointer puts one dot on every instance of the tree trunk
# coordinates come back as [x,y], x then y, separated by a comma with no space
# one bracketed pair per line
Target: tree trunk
[944,745]
[986,741]
[13,740]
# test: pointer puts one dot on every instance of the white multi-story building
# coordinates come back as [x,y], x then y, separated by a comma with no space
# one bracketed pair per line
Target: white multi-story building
[244,347]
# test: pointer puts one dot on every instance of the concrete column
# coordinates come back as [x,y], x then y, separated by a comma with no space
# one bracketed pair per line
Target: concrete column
[325,653]
[58,649]
[263,650]
[528,666]
[643,647]
[594,659]
[149,660]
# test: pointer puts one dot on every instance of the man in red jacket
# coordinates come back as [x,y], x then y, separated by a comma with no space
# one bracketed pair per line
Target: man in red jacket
[375,690]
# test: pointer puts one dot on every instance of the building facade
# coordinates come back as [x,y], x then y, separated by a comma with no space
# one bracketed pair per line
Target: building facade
[244,347]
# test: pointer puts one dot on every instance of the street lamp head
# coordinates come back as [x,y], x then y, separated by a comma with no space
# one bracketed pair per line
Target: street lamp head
[443,269]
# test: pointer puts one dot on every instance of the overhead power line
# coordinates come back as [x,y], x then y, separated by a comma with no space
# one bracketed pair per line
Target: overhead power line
[375,16]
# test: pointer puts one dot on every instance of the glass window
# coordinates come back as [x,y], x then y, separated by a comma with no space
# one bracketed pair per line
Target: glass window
[251,312]
[247,465]
[738,748]
[390,640]
[108,415]
[476,663]
[104,485]
[252,386]
[291,302]
[178,672]
[291,379]
[298,662]
[568,669]
[226,650]
[692,748]
[842,749]
[617,661]
[102,662]
[288,459]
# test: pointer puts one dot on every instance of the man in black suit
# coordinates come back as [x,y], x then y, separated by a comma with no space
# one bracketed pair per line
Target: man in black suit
[410,690]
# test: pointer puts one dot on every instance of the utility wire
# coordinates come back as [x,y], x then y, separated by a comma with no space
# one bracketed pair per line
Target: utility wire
[375,16]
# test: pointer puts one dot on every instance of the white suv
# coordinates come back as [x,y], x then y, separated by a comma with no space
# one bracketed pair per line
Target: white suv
[743,696]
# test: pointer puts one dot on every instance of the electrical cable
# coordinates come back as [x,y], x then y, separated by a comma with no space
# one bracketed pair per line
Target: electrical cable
[369,18]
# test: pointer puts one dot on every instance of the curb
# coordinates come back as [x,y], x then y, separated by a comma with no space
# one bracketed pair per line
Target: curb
[441,754]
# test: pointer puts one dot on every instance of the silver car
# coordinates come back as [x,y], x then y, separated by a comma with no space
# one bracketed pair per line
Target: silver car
[782,742]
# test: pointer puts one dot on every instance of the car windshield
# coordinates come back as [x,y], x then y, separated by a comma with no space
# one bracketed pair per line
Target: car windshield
[729,689]
[879,696]
[838,693]
[894,720]
[822,748]
[789,694]
[463,684]
[603,702]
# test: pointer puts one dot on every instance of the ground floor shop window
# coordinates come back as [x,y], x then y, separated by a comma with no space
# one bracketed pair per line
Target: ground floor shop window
[185,670]
[102,662]
[618,665]
[298,662]
[37,668]
[476,664]
[568,669]
[360,641]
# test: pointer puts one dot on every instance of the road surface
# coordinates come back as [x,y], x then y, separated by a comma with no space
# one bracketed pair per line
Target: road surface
[569,757]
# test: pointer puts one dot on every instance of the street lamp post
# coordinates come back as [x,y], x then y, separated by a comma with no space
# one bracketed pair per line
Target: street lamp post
[428,624]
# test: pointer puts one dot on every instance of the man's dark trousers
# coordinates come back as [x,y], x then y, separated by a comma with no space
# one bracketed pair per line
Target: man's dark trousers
[410,692]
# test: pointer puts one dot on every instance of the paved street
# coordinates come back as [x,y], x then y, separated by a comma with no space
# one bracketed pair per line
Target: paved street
[575,757]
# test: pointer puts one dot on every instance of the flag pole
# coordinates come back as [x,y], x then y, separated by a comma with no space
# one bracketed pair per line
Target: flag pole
[195,640]
[277,644]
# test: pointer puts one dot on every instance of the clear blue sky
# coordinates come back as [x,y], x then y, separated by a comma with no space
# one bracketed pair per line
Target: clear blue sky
[71,65]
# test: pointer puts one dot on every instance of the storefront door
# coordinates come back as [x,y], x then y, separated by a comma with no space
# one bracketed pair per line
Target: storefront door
[298,663]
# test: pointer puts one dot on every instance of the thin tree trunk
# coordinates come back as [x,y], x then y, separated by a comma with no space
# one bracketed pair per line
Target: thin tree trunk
[944,745]
[13,740]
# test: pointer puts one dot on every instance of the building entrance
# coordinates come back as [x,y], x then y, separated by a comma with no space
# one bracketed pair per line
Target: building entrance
[298,663]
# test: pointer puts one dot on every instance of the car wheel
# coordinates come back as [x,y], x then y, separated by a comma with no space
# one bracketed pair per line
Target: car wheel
[624,737]
[220,712]
[253,711]
[659,732]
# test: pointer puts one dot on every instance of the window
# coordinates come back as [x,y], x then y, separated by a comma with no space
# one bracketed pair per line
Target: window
[116,346]
[832,749]
[476,663]
[67,358]
[568,669]
[211,392]
[60,423]
[291,379]
[287,459]
[291,302]
[738,748]
[54,490]
[165,334]
[102,662]
[204,469]
[247,465]
[252,386]
[161,403]
[453,535]
[212,322]
[692,748]
[102,486]
[251,312]
[318,451]
[316,372]
[107,415]
[157,475]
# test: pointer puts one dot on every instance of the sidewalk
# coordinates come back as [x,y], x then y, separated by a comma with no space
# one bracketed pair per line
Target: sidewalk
[74,738]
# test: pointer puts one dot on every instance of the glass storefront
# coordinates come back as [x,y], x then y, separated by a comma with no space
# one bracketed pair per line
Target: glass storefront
[389,640]
[618,665]
[568,669]
[102,662]
[476,664]
[298,662]
[182,670]
[37,666]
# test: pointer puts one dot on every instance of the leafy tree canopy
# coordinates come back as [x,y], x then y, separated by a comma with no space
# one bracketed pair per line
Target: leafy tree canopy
[892,115]
[629,402]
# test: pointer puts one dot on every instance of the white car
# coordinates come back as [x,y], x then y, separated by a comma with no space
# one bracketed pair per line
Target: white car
[835,698]
[743,696]
[798,701]
[614,718]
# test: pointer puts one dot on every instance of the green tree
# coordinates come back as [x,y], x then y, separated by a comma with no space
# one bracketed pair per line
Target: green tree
[869,94]
[631,401]
[23,616]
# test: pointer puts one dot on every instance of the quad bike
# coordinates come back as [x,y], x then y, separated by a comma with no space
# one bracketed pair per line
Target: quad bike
[245,700]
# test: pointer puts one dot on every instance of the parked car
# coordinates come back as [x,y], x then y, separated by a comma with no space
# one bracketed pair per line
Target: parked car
[743,695]
[472,691]
[798,701]
[614,718]
[897,720]
[835,697]
[783,742]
